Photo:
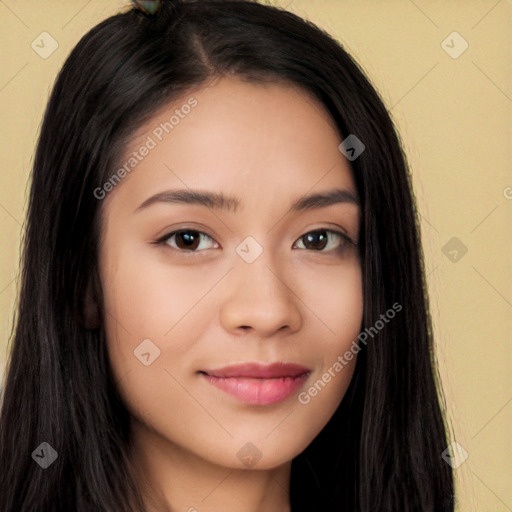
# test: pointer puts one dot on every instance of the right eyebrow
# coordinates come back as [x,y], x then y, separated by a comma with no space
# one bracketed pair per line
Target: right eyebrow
[214,200]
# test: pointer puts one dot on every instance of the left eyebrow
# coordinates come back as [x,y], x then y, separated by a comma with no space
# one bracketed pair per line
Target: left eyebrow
[218,200]
[324,199]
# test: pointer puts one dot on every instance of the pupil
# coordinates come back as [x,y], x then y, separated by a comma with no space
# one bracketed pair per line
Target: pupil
[318,239]
[190,239]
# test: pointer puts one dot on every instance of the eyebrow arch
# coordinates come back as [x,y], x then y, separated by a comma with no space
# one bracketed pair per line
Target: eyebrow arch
[217,200]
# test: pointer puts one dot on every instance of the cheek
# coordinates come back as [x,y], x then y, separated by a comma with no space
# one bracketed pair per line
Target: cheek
[148,300]
[154,316]
[150,325]
[340,309]
[335,298]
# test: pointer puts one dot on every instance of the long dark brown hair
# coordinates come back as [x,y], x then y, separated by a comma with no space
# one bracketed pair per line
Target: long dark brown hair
[381,451]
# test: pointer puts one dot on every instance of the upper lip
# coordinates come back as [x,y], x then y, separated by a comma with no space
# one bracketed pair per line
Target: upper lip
[259,371]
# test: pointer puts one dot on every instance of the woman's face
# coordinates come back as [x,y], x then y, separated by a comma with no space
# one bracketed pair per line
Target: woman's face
[225,318]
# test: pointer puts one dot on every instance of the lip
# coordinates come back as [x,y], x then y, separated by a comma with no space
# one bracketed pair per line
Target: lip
[256,383]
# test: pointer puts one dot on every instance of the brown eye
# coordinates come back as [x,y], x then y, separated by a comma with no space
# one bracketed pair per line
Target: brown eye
[316,240]
[186,240]
[319,239]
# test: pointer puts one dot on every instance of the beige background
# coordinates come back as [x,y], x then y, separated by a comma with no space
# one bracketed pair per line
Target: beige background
[454,118]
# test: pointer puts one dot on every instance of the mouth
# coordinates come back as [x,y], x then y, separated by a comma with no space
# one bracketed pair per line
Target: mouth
[258,384]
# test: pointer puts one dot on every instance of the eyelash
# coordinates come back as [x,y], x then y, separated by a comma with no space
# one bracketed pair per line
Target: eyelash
[346,240]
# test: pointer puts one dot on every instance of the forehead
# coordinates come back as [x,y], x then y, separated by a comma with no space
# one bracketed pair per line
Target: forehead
[259,139]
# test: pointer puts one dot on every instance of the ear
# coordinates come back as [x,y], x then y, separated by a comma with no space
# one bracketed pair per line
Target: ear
[91,317]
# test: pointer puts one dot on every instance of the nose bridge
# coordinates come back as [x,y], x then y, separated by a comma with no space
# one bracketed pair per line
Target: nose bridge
[258,295]
[262,277]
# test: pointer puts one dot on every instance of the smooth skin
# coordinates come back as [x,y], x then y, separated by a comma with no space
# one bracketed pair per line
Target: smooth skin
[204,306]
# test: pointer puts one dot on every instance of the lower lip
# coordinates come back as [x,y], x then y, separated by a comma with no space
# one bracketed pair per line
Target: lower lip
[259,391]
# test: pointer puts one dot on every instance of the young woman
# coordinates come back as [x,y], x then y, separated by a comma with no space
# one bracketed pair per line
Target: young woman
[223,303]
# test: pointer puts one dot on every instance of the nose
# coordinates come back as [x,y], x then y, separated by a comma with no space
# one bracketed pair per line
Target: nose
[259,299]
